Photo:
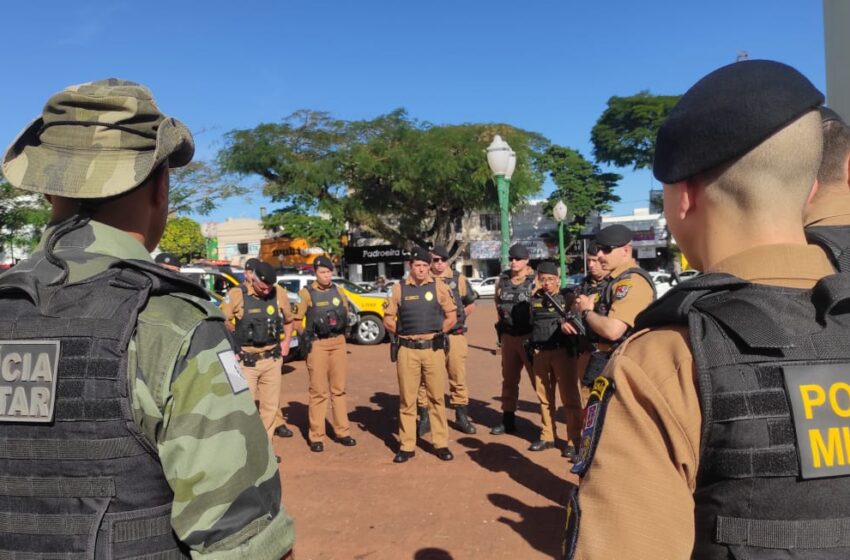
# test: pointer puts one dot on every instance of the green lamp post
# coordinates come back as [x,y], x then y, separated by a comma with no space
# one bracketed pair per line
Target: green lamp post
[559,212]
[502,162]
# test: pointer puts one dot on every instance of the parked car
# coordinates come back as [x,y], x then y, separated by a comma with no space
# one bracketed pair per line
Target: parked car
[662,282]
[486,288]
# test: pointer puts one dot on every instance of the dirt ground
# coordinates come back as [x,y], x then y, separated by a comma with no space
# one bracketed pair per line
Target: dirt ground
[495,500]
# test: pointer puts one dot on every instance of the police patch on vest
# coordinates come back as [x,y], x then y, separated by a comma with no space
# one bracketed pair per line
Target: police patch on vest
[571,529]
[820,406]
[336,301]
[622,290]
[429,296]
[28,373]
[597,404]
[270,309]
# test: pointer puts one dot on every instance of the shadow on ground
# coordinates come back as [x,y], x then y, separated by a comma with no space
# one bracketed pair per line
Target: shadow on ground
[432,554]
[541,527]
[381,422]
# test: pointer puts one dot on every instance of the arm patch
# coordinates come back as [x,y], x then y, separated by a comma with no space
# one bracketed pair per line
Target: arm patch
[597,404]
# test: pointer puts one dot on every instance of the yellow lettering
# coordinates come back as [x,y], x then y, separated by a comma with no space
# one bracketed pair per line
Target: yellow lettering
[833,401]
[829,451]
[845,431]
[809,401]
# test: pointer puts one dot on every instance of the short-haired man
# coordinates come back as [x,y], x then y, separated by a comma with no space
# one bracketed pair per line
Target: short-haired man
[126,430]
[420,312]
[708,438]
[827,218]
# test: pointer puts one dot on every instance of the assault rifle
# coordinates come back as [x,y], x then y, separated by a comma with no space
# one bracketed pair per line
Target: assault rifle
[569,316]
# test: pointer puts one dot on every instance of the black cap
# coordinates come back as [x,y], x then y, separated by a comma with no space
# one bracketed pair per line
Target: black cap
[828,115]
[440,251]
[265,273]
[728,113]
[547,267]
[518,251]
[420,254]
[322,260]
[614,236]
[251,264]
[592,249]
[168,258]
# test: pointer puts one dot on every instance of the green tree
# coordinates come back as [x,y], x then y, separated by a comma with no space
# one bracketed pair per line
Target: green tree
[324,231]
[625,132]
[198,188]
[182,236]
[23,217]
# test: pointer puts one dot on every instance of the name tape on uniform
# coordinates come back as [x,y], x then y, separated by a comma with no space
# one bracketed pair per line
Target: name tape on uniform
[820,405]
[28,373]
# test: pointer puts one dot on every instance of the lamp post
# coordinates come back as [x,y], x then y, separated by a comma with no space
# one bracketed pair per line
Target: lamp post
[502,162]
[559,212]
[210,232]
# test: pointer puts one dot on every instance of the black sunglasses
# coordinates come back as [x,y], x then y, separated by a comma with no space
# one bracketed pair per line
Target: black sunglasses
[437,259]
[515,259]
[607,248]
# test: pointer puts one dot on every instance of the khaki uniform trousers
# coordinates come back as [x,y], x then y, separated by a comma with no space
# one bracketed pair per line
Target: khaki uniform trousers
[577,365]
[552,371]
[327,370]
[264,380]
[456,366]
[414,368]
[514,359]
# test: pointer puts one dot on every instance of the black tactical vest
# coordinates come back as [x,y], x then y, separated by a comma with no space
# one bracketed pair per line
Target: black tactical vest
[759,352]
[835,240]
[79,479]
[606,298]
[419,312]
[326,315]
[261,323]
[514,310]
[546,321]
[454,284]
[594,289]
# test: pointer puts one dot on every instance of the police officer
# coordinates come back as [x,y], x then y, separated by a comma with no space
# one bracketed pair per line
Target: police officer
[326,310]
[709,437]
[124,390]
[420,312]
[260,317]
[547,348]
[827,218]
[168,261]
[458,347]
[610,318]
[512,299]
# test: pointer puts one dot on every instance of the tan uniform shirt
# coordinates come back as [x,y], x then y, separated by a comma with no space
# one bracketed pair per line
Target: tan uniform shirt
[444,297]
[630,295]
[307,301]
[636,500]
[831,211]
[233,308]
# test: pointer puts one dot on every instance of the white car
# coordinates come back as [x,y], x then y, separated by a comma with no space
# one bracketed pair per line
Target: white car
[664,281]
[487,287]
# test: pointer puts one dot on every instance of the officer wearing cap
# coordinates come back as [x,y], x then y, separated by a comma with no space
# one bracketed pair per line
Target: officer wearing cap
[513,325]
[116,417]
[458,348]
[250,265]
[259,315]
[827,217]
[419,313]
[168,261]
[610,318]
[326,310]
[709,438]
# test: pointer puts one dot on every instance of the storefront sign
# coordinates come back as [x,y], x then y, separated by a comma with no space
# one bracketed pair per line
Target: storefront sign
[375,254]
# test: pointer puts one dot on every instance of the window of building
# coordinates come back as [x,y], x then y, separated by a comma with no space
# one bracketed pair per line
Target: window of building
[489,222]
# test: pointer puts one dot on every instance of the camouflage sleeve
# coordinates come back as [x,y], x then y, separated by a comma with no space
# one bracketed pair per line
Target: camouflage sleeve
[226,504]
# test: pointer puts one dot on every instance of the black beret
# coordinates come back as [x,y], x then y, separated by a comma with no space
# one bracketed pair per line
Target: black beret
[592,249]
[322,260]
[265,273]
[252,263]
[828,115]
[728,113]
[440,251]
[614,236]
[548,267]
[420,254]
[518,251]
[167,258]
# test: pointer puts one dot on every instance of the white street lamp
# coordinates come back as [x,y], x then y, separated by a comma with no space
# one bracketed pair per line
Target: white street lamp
[559,212]
[502,161]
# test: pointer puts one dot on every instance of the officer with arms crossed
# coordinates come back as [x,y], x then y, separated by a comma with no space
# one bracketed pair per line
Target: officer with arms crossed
[326,309]
[420,312]
[126,395]
[610,318]
[827,219]
[512,299]
[723,413]
[259,315]
[458,346]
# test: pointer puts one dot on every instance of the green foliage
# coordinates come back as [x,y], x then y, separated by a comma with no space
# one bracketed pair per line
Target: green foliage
[23,217]
[183,237]
[582,186]
[625,132]
[320,230]
[402,179]
[198,187]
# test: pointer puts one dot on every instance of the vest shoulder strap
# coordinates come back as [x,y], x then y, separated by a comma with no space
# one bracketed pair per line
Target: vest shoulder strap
[673,308]
[835,240]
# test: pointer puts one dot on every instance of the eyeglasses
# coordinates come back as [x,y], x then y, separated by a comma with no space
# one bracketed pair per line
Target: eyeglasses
[607,248]
[515,259]
[437,259]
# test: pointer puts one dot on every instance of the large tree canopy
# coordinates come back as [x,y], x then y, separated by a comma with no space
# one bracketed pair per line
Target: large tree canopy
[182,236]
[625,133]
[198,187]
[23,217]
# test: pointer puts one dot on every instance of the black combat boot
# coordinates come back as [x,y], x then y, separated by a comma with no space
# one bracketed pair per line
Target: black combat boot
[423,424]
[508,425]
[463,422]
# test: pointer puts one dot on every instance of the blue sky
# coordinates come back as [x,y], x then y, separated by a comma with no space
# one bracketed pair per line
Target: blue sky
[546,65]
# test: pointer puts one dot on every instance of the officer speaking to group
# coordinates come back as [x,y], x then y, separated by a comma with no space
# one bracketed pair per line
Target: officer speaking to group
[326,310]
[419,313]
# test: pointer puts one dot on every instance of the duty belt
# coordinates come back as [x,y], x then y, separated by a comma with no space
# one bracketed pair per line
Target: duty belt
[273,353]
[548,345]
[417,344]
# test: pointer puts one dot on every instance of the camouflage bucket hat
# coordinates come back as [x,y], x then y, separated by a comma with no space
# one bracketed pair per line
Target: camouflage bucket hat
[96,140]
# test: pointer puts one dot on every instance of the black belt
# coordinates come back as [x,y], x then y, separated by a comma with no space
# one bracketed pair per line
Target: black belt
[417,344]
[548,345]
[273,353]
